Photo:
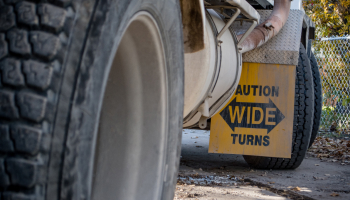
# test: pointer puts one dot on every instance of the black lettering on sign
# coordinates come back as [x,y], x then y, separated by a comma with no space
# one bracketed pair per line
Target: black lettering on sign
[267,91]
[241,141]
[274,91]
[234,138]
[254,89]
[266,141]
[260,89]
[250,139]
[239,90]
[247,90]
[258,140]
[252,115]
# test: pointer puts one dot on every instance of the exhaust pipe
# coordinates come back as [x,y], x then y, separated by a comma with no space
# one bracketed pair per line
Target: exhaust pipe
[269,28]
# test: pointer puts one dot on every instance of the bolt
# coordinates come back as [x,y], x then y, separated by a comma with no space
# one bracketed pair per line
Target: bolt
[219,43]
[268,25]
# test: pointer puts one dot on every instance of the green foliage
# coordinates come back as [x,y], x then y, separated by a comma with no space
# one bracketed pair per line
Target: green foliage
[346,101]
[332,17]
[329,117]
[333,60]
[332,120]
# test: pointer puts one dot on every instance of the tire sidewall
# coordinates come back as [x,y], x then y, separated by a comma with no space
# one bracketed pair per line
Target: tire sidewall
[107,26]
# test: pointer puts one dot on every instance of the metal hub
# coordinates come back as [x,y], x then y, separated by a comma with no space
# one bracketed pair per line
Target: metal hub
[130,149]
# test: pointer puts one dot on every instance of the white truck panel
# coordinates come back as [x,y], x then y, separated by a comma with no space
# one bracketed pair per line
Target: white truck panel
[223,68]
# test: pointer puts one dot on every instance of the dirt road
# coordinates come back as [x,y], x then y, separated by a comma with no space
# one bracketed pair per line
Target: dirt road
[218,176]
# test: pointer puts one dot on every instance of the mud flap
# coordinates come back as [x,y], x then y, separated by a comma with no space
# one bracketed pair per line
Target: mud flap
[258,120]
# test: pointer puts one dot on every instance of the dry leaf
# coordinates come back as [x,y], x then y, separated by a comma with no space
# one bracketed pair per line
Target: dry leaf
[296,189]
[323,155]
[336,149]
[334,194]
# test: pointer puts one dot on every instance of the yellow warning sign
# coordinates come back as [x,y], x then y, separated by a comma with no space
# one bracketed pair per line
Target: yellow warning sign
[258,120]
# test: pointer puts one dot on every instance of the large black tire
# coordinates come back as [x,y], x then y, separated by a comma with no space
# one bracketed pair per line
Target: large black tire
[302,124]
[318,97]
[55,59]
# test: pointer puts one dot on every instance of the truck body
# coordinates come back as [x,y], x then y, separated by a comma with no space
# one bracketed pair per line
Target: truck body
[94,94]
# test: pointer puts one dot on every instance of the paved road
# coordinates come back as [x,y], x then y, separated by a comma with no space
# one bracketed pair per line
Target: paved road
[222,176]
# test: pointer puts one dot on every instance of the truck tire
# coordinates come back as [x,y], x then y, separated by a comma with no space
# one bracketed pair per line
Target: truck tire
[318,97]
[91,99]
[302,124]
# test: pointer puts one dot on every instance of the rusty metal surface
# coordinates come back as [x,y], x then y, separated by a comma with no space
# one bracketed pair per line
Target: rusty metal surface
[269,28]
[281,49]
[193,25]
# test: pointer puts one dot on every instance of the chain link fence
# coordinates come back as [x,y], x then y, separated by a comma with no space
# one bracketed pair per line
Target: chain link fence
[333,57]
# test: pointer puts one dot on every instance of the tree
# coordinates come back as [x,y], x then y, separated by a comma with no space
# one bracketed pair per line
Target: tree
[332,17]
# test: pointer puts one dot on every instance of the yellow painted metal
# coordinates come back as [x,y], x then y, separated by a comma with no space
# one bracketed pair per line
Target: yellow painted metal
[258,120]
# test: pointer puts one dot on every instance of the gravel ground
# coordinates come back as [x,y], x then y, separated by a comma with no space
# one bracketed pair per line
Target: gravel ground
[222,176]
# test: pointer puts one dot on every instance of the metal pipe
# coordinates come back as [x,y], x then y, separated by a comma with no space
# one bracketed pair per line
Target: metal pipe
[269,28]
[228,24]
[246,34]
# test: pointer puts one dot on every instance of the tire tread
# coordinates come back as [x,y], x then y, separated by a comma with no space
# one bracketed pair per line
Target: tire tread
[32,45]
[302,124]
[318,98]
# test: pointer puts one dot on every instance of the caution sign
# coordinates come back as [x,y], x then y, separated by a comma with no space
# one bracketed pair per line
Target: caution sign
[258,120]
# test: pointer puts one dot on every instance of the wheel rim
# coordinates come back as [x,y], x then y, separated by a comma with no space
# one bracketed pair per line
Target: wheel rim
[130,148]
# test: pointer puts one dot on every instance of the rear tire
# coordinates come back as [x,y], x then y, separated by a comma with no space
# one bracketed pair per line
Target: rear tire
[318,98]
[60,132]
[302,124]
